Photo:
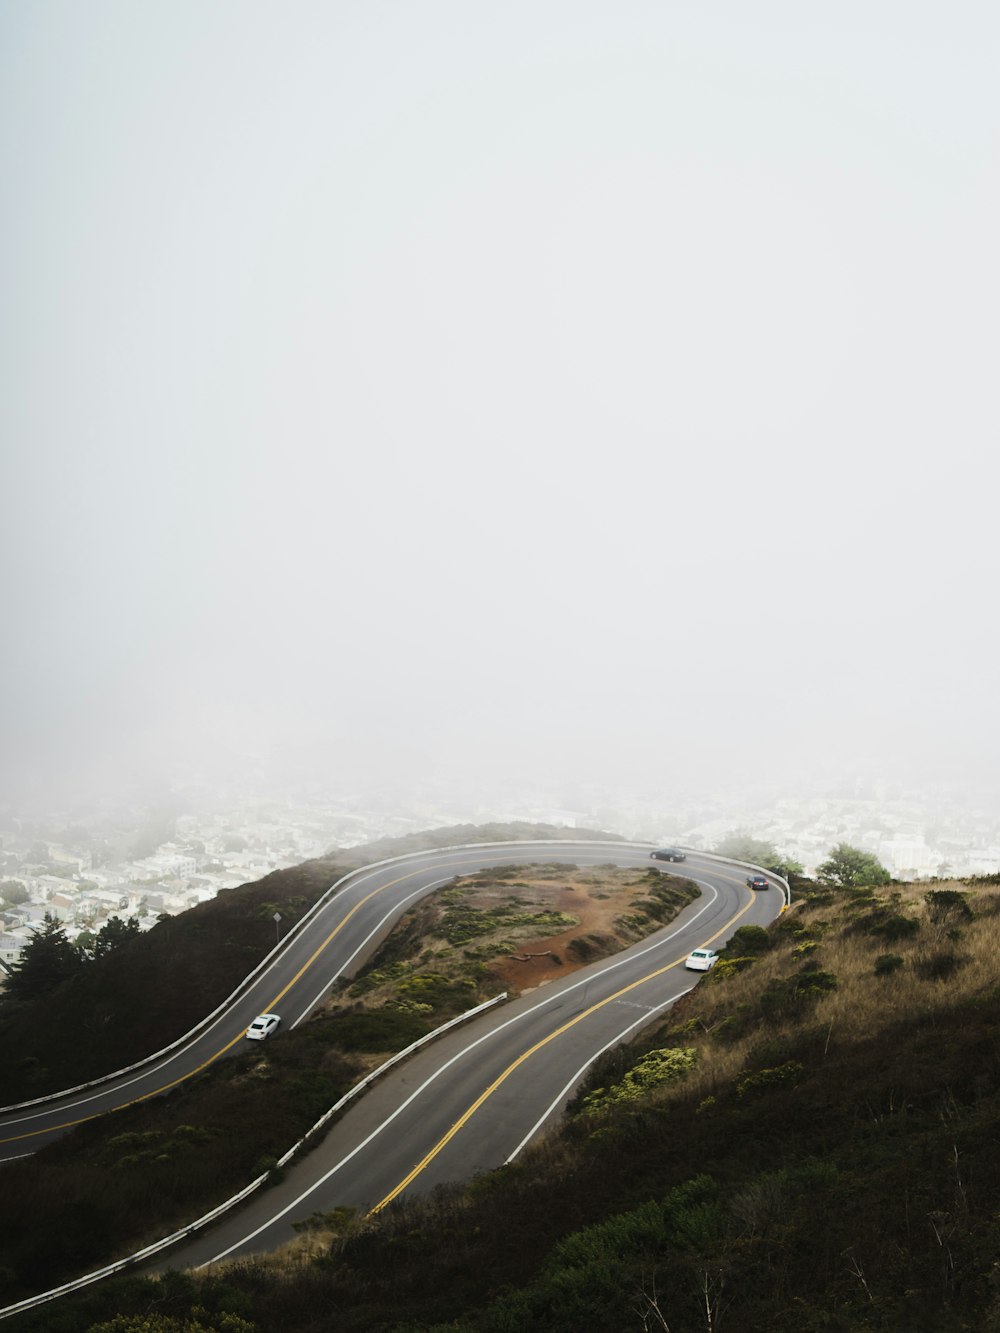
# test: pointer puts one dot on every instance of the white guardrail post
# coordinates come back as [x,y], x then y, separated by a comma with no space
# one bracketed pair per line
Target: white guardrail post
[158,1245]
[322,901]
[88,1279]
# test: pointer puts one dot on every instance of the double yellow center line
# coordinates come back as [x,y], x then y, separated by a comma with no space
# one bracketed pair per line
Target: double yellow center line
[165,1087]
[467,1115]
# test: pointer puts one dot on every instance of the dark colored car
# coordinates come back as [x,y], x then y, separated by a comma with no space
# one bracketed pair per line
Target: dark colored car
[669,854]
[758,882]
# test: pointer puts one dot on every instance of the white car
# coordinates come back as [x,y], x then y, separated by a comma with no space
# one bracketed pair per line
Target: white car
[262,1026]
[701,960]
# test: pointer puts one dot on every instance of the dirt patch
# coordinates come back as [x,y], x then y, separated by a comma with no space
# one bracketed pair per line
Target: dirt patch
[517,927]
[595,935]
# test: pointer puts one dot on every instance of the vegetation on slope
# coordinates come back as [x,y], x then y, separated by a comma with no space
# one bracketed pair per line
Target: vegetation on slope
[827,1162]
[151,990]
[120,1181]
[137,999]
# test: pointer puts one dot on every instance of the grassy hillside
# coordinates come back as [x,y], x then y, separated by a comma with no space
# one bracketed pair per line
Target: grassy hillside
[807,1142]
[120,1181]
[145,995]
[142,997]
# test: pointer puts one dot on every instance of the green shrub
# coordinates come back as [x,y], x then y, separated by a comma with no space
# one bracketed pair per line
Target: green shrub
[887,963]
[765,1079]
[654,1070]
[749,940]
[783,998]
[947,904]
[437,991]
[728,967]
[385,1029]
[895,927]
[938,966]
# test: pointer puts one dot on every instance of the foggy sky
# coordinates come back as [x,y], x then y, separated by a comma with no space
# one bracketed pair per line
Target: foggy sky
[557,390]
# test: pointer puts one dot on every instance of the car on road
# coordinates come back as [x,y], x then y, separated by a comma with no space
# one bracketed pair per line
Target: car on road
[668,854]
[758,882]
[262,1026]
[701,960]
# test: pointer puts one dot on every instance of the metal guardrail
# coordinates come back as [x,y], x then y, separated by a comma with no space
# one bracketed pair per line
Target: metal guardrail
[165,1243]
[189,1230]
[322,901]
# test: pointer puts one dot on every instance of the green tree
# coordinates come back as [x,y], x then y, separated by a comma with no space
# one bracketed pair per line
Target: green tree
[13,892]
[48,959]
[113,934]
[740,846]
[851,868]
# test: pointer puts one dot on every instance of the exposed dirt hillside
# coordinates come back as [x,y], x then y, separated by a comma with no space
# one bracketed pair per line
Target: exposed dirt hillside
[517,927]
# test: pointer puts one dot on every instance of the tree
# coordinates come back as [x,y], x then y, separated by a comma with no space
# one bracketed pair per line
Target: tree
[740,846]
[113,934]
[852,868]
[13,891]
[48,959]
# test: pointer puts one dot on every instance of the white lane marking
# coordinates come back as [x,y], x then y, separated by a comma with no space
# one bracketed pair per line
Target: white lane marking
[585,1066]
[155,1070]
[427,888]
[460,1055]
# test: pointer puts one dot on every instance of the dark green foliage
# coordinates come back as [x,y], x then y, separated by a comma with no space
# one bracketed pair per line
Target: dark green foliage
[948,905]
[667,895]
[462,923]
[749,940]
[48,960]
[849,867]
[887,963]
[386,1029]
[13,892]
[783,999]
[728,967]
[895,926]
[113,934]
[120,1181]
[878,916]
[141,996]
[740,846]
[586,948]
[939,965]
[763,1080]
[874,1160]
[736,1024]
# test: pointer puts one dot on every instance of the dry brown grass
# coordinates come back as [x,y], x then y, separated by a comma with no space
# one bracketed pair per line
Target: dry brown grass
[945,964]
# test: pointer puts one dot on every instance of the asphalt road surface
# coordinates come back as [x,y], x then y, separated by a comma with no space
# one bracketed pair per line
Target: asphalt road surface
[470,1101]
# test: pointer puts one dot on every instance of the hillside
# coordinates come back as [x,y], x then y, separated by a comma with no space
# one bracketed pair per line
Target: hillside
[118,1182]
[139,999]
[807,1142]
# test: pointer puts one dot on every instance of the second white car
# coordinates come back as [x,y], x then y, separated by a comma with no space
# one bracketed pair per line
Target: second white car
[701,960]
[262,1026]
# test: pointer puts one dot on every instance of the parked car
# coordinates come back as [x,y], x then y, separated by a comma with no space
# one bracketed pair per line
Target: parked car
[757,882]
[701,960]
[262,1026]
[669,854]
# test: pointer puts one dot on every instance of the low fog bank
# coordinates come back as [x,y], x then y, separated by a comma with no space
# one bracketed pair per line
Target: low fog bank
[563,755]
[533,398]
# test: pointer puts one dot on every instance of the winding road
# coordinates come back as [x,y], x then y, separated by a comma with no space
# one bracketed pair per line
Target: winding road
[468,1102]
